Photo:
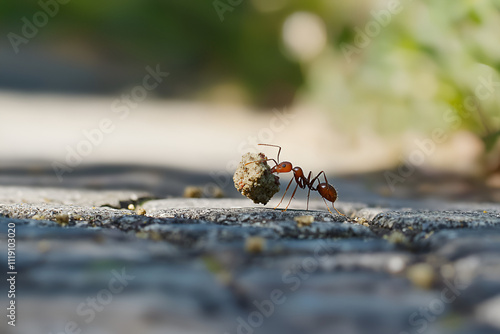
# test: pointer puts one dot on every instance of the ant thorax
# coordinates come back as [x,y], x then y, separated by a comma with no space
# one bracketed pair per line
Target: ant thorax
[298,172]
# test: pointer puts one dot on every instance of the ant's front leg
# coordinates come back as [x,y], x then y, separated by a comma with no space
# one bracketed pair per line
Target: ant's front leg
[284,194]
[290,201]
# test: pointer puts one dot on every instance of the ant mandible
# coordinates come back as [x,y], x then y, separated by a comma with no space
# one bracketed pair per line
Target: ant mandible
[326,190]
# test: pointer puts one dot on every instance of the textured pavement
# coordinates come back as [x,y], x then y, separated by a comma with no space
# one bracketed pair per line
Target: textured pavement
[226,265]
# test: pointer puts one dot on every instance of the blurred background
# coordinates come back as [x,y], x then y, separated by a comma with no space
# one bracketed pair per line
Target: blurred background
[394,100]
[399,96]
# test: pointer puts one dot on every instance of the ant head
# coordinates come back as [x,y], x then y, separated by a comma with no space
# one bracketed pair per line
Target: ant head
[282,167]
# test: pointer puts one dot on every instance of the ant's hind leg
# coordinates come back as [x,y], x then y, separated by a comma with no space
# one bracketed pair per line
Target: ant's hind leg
[333,206]
[340,213]
[308,193]
[328,207]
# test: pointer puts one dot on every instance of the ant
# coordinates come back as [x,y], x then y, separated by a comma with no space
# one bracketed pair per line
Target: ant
[326,190]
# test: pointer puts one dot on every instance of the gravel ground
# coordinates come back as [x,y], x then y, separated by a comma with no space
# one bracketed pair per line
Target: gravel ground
[229,266]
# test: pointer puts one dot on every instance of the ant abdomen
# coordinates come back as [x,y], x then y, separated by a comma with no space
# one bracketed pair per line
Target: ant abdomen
[327,191]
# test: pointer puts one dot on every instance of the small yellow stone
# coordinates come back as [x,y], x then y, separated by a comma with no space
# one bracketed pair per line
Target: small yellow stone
[255,245]
[362,221]
[43,246]
[141,211]
[396,237]
[62,219]
[304,220]
[131,206]
[193,192]
[224,277]
[218,193]
[142,235]
[421,275]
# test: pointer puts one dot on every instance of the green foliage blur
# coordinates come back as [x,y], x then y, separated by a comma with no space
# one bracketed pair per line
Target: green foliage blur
[416,72]
[186,37]
[420,72]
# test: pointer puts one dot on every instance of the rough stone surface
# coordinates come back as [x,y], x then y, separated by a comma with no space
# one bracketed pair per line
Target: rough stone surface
[31,195]
[191,271]
[78,215]
[427,221]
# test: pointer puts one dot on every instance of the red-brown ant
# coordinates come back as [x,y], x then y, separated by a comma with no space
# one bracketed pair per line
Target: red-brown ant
[326,190]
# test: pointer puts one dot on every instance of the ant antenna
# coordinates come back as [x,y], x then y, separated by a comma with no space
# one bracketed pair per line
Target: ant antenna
[279,151]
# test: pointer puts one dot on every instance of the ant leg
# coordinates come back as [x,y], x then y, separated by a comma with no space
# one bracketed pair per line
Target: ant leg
[324,174]
[316,178]
[333,206]
[293,194]
[308,193]
[309,184]
[340,213]
[284,194]
[328,207]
